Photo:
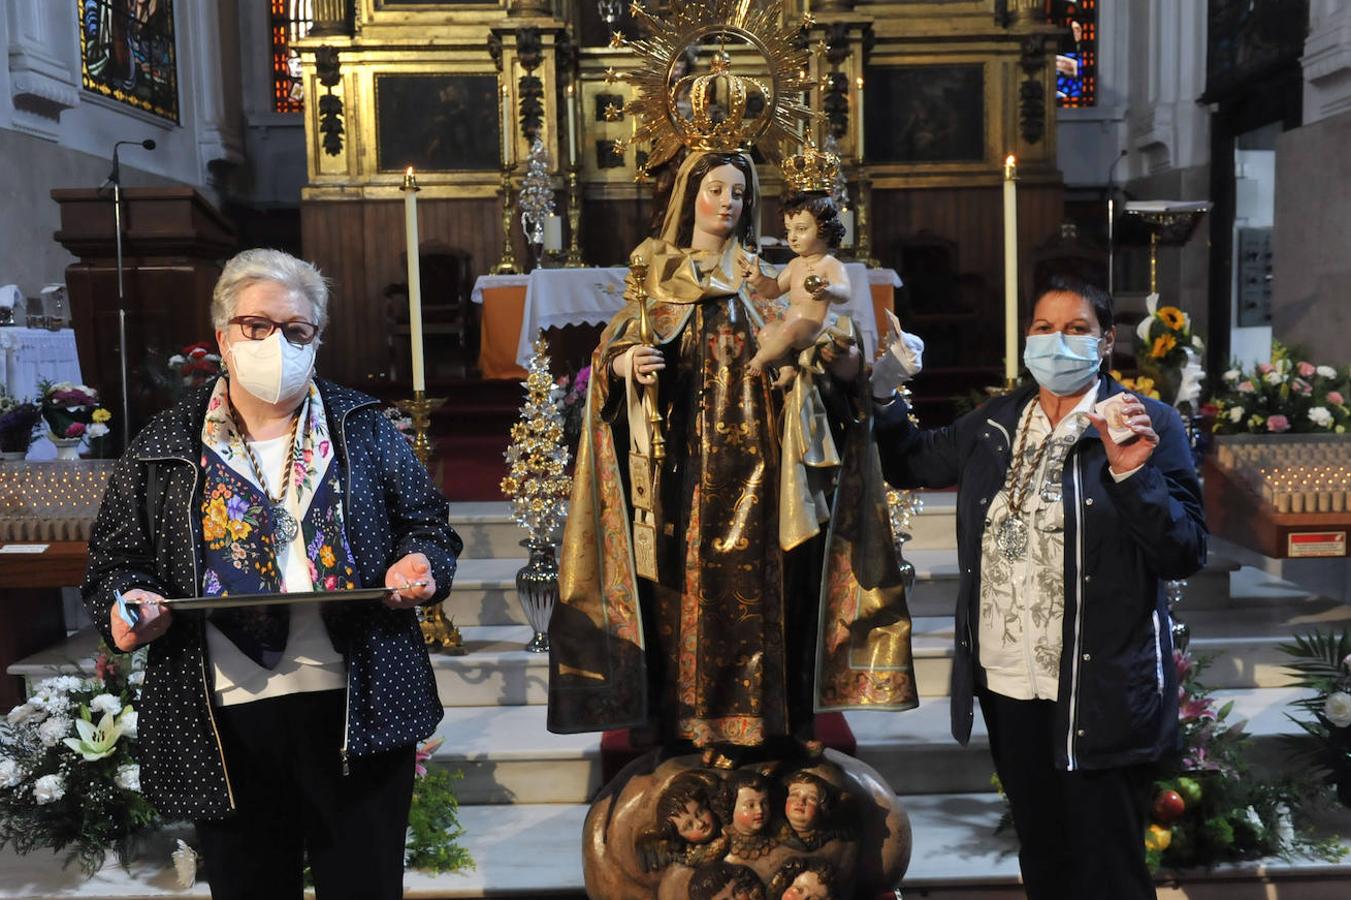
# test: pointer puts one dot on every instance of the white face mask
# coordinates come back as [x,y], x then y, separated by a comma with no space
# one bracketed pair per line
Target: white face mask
[272,369]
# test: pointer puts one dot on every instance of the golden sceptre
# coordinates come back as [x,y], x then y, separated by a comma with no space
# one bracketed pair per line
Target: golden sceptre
[638,266]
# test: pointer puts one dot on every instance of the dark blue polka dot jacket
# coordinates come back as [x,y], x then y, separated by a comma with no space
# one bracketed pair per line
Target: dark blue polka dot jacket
[147,535]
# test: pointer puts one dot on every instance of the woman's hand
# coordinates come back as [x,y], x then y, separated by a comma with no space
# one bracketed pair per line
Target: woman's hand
[843,363]
[1136,451]
[647,362]
[412,576]
[155,619]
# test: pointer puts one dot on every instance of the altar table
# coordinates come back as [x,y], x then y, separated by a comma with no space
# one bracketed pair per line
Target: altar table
[516,308]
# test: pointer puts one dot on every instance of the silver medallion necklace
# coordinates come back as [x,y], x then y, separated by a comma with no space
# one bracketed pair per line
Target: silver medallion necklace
[284,525]
[1011,533]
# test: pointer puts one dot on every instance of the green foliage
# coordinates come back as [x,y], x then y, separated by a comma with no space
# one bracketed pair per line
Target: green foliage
[434,825]
[1321,664]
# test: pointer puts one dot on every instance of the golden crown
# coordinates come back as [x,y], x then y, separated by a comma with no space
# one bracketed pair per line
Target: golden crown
[812,170]
[722,110]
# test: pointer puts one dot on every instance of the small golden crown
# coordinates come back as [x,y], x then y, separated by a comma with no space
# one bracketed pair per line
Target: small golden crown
[811,171]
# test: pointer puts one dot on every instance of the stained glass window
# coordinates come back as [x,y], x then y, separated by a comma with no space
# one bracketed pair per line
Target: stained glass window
[291,21]
[1076,63]
[127,53]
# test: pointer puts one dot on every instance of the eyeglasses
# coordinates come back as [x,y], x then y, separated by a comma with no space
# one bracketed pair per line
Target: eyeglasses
[257,328]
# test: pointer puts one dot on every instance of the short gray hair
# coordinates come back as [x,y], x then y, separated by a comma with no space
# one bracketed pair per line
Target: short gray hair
[252,266]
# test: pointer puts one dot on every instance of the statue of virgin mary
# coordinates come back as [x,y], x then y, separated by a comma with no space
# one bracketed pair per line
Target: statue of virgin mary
[771,588]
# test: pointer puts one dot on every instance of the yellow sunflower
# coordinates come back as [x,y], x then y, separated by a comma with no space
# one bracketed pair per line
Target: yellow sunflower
[1173,317]
[1163,345]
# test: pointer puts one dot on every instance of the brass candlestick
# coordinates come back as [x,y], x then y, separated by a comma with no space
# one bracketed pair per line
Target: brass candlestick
[574,260]
[507,265]
[438,632]
[864,239]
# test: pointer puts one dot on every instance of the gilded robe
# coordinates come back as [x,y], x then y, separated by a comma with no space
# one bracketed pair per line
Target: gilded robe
[759,615]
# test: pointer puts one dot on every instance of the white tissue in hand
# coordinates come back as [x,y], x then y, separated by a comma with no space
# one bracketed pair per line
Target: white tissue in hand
[902,361]
[10,296]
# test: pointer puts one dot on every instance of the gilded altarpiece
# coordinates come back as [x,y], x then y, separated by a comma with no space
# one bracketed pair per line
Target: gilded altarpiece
[948,90]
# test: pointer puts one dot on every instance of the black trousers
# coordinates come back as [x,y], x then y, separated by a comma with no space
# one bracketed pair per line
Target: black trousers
[292,803]
[1080,834]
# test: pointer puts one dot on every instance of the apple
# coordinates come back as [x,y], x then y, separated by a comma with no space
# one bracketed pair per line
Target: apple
[1169,805]
[1190,789]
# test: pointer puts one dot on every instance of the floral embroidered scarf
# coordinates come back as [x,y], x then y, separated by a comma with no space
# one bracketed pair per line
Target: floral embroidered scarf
[240,553]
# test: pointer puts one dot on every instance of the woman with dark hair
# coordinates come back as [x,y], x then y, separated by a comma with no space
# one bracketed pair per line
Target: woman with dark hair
[1062,631]
[707,634]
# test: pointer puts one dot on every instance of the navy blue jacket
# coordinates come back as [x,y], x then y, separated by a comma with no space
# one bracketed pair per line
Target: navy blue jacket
[148,535]
[1118,686]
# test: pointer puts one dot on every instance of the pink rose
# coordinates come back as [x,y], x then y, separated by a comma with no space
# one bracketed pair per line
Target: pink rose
[1264,368]
[1300,386]
[1278,424]
[331,582]
[1335,398]
[1245,387]
[1305,369]
[75,430]
[323,448]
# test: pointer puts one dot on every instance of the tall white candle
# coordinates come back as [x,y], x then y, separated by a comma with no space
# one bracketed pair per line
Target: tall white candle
[553,234]
[858,114]
[410,229]
[847,220]
[506,127]
[572,128]
[1010,270]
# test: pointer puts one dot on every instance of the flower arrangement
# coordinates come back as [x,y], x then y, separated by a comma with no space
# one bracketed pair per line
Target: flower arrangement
[572,405]
[1286,395]
[1167,353]
[68,770]
[195,365]
[18,419]
[73,410]
[1142,384]
[537,484]
[1212,808]
[1322,664]
[434,820]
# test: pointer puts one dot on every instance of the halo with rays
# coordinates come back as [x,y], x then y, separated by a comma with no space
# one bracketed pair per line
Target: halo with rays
[687,23]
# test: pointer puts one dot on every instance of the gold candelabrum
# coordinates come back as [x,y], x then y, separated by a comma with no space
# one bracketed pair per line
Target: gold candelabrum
[638,266]
[438,632]
[507,265]
[574,260]
[863,207]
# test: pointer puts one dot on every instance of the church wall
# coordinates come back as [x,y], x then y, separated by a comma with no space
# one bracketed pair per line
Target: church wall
[1312,232]
[55,134]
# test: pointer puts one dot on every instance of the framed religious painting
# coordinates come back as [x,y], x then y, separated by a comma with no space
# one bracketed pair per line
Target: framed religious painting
[933,114]
[437,123]
[127,53]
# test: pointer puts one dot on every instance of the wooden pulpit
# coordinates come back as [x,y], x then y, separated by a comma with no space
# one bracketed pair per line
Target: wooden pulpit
[173,245]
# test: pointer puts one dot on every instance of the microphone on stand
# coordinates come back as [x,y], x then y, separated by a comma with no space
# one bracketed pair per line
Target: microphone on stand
[115,179]
[1110,190]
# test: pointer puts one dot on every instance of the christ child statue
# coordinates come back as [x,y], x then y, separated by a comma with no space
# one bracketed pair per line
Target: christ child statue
[813,280]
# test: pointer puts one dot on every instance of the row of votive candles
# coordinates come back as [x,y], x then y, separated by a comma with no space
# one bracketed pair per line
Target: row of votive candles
[1308,501]
[1317,452]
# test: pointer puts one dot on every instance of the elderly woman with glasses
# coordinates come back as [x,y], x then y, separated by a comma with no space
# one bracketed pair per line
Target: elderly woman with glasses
[287,732]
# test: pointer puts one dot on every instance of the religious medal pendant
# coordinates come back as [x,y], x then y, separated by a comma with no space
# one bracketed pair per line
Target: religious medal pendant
[1011,538]
[284,526]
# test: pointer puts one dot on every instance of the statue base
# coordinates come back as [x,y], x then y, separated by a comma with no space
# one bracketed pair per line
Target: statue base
[674,829]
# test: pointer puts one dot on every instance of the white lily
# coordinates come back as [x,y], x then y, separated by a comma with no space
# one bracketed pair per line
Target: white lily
[95,741]
[1142,330]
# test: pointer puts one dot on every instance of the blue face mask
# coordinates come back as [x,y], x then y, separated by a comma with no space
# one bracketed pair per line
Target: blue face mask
[1062,363]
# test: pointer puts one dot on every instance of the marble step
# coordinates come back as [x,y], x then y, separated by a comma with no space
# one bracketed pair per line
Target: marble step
[507,754]
[534,851]
[484,592]
[489,531]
